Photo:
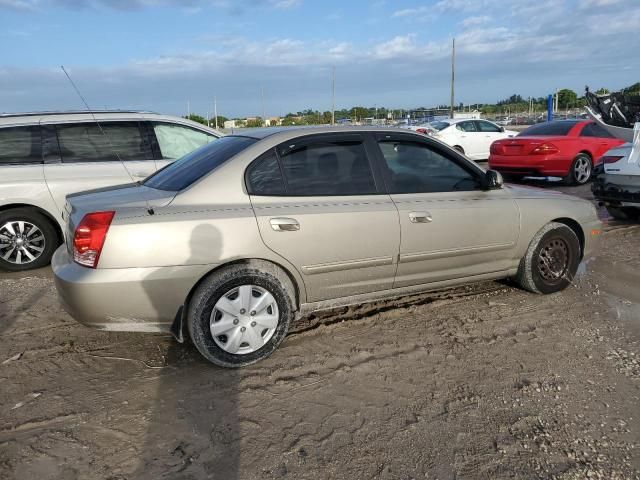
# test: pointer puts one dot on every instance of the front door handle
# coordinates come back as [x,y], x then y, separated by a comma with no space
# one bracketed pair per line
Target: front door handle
[284,224]
[420,217]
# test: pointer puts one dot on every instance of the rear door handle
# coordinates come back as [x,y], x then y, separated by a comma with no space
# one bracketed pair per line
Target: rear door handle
[420,217]
[284,224]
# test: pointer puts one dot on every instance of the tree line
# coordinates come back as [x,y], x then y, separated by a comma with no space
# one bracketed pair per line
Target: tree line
[567,99]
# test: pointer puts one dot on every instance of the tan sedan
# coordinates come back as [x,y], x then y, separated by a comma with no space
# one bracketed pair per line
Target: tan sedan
[234,241]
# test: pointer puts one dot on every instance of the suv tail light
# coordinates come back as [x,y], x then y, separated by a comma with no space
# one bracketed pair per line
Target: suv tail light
[89,236]
[545,149]
[611,158]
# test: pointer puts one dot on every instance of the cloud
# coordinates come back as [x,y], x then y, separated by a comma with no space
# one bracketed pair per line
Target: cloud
[474,21]
[23,5]
[189,6]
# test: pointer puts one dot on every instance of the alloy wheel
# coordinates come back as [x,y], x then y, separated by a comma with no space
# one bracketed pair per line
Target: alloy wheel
[244,319]
[582,170]
[21,242]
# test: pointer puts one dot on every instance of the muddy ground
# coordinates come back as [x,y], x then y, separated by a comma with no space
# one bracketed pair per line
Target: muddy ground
[479,382]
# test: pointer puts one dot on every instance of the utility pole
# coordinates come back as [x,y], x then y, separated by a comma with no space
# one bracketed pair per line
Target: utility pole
[215,111]
[333,96]
[264,116]
[453,74]
[188,108]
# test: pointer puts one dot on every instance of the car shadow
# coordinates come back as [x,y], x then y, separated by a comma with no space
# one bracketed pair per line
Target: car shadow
[193,428]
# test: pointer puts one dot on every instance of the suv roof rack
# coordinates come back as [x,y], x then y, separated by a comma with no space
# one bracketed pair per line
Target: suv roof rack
[69,112]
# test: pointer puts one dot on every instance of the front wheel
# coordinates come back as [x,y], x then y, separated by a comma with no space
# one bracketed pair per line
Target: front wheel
[27,240]
[239,315]
[551,261]
[580,170]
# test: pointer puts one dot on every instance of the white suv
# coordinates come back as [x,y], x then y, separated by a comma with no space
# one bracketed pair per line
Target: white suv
[45,156]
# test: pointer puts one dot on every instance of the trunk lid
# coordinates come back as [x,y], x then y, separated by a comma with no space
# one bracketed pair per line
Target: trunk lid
[130,197]
[521,145]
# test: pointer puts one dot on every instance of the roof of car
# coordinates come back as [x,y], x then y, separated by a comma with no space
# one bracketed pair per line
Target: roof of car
[35,118]
[293,132]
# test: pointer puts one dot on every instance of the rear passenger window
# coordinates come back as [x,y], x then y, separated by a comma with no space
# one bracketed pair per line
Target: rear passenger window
[109,141]
[327,168]
[19,145]
[595,130]
[264,176]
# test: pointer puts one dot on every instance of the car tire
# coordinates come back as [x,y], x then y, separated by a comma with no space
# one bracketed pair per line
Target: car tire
[459,149]
[624,213]
[15,256]
[580,170]
[551,261]
[213,303]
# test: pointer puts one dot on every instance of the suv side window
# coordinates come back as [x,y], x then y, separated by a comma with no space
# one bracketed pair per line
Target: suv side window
[20,145]
[176,141]
[90,142]
[264,176]
[488,127]
[414,167]
[327,167]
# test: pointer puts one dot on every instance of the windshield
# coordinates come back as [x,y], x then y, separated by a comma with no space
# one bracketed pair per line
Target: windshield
[193,166]
[560,128]
[439,125]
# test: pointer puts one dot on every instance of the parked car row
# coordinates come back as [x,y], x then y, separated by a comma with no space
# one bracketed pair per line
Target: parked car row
[46,156]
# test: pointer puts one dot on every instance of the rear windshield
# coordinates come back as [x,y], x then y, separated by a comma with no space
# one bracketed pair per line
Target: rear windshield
[439,125]
[548,128]
[193,166]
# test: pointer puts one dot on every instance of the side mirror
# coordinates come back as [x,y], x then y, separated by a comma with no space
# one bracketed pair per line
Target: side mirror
[502,129]
[493,180]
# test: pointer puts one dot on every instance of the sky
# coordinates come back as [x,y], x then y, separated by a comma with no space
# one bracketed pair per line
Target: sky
[169,55]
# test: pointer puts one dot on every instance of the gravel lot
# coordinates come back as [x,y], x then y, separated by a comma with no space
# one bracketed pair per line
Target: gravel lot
[478,382]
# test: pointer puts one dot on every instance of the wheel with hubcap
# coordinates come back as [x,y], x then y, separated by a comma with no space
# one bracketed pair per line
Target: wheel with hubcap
[551,261]
[27,240]
[580,170]
[239,316]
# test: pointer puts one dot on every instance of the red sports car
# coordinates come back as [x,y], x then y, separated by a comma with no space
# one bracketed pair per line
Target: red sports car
[562,148]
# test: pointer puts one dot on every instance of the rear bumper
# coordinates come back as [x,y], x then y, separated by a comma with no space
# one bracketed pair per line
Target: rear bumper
[605,190]
[530,165]
[123,299]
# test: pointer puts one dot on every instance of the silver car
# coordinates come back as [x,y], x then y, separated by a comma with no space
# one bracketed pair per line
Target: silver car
[233,242]
[44,156]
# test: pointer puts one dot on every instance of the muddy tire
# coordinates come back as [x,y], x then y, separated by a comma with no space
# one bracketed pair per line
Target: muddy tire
[551,261]
[624,213]
[580,170]
[27,240]
[239,315]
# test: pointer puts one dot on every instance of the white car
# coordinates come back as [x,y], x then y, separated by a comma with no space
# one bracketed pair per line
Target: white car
[617,185]
[46,156]
[470,137]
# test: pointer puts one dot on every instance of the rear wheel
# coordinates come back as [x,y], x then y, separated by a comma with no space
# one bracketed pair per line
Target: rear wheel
[624,213]
[27,239]
[580,170]
[239,315]
[551,261]
[512,177]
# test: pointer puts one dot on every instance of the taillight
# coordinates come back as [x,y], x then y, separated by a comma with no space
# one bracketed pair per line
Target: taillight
[611,158]
[545,149]
[495,148]
[421,130]
[89,236]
